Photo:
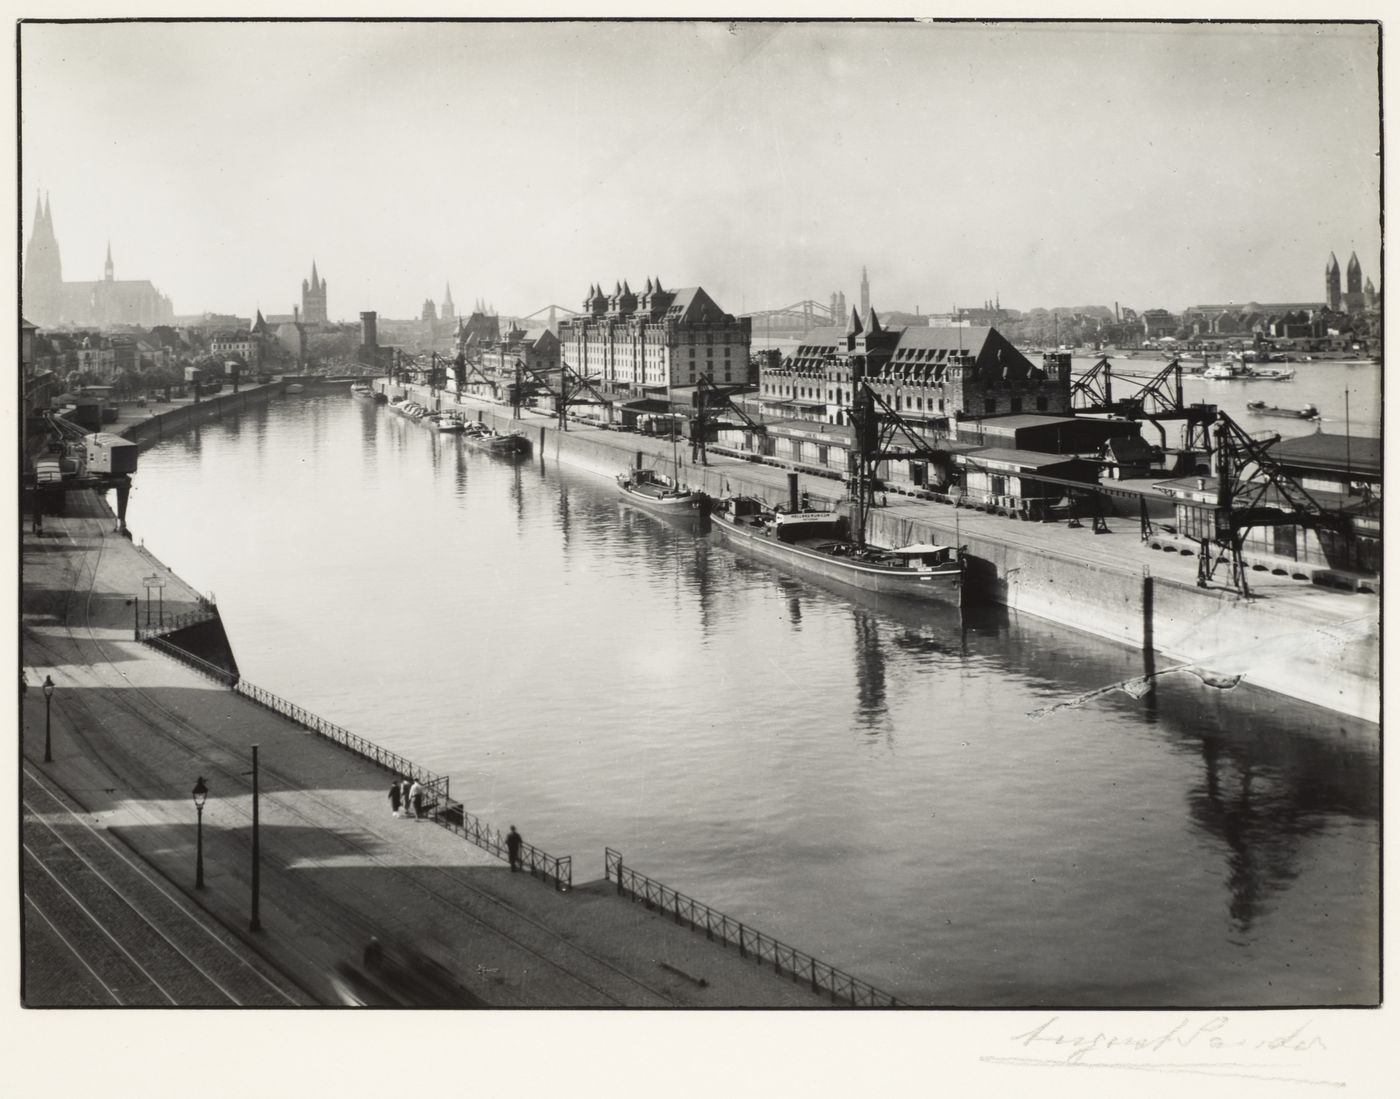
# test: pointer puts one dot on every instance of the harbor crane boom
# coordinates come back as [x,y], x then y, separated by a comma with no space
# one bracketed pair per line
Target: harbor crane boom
[711,401]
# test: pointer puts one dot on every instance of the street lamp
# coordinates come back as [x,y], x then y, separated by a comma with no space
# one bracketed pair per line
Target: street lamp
[48,715]
[200,793]
[255,923]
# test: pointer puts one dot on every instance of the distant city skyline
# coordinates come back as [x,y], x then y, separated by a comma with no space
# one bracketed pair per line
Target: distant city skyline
[767,162]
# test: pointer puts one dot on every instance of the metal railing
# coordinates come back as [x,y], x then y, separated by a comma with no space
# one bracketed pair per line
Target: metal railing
[764,949]
[557,870]
[365,749]
[172,622]
[438,804]
[199,664]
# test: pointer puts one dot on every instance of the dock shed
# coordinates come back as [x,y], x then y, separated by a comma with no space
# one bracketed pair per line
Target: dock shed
[1016,480]
[1049,434]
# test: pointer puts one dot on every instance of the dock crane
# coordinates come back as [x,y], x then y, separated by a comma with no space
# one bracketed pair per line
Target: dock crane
[876,426]
[1159,398]
[104,461]
[571,383]
[711,402]
[463,368]
[1253,492]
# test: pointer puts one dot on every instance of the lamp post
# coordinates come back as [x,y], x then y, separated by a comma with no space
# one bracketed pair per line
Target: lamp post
[255,924]
[48,718]
[200,793]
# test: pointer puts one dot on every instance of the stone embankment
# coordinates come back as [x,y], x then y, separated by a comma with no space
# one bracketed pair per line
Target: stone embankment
[1307,642]
[131,729]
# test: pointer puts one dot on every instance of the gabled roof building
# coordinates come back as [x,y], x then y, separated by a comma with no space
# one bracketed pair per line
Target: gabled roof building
[648,343]
[931,376]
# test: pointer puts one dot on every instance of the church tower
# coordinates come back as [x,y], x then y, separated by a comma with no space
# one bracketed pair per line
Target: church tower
[108,271]
[864,292]
[1333,276]
[449,311]
[313,298]
[1355,297]
[43,271]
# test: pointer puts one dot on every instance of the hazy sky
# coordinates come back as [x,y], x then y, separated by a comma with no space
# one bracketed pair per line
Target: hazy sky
[1056,164]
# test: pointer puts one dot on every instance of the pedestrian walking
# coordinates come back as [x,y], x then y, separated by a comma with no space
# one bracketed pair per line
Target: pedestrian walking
[415,798]
[403,796]
[513,842]
[395,797]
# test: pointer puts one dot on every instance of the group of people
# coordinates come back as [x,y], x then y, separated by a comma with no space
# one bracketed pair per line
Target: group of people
[406,796]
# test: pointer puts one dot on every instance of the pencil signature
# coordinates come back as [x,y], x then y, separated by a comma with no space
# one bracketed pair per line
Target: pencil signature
[1214,1046]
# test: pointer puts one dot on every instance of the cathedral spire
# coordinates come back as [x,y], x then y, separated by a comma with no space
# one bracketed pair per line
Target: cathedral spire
[107,271]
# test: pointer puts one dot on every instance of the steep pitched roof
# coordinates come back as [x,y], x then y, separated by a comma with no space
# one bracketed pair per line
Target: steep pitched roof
[949,338]
[692,305]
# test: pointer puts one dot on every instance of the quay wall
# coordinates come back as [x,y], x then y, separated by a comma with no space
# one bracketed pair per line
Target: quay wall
[1332,665]
[155,427]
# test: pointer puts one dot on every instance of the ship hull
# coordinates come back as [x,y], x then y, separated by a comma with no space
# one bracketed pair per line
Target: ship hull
[942,585]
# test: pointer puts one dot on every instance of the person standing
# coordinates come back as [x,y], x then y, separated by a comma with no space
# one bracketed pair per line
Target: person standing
[415,797]
[395,796]
[513,842]
[403,796]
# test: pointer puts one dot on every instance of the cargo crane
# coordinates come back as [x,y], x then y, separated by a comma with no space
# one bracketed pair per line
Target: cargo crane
[876,427]
[103,461]
[1253,492]
[1158,399]
[711,402]
[462,368]
[571,383]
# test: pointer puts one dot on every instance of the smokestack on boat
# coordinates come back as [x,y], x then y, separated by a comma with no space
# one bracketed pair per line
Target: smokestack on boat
[792,492]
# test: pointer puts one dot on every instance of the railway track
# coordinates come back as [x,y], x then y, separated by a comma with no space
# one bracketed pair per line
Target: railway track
[550,960]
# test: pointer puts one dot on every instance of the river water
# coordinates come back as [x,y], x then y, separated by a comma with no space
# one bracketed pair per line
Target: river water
[868,786]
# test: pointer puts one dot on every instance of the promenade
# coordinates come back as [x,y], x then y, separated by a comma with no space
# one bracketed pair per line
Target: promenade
[131,732]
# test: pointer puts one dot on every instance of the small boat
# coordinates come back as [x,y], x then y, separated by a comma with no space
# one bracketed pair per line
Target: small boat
[652,489]
[802,542]
[450,422]
[493,442]
[361,389]
[1307,412]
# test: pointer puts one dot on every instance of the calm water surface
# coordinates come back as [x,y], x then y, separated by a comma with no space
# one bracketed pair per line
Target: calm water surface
[863,782]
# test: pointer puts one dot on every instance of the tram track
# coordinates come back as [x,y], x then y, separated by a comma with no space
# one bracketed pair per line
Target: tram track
[140,896]
[545,947]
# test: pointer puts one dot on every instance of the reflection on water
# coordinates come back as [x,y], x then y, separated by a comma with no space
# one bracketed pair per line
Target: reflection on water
[857,777]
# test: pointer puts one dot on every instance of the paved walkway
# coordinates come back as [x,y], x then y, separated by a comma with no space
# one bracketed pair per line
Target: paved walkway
[133,729]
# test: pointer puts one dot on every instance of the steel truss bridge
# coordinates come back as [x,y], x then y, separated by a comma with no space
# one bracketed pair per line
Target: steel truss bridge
[799,317]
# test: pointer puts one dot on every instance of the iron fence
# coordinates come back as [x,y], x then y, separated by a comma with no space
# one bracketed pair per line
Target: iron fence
[557,870]
[764,949]
[365,749]
[438,804]
[199,664]
[172,622]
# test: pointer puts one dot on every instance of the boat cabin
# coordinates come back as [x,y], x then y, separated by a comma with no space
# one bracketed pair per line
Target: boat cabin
[924,555]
